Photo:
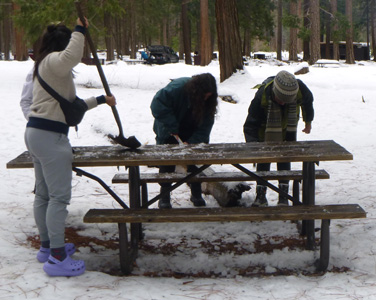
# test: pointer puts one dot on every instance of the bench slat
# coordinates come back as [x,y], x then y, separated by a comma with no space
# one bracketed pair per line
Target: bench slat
[218,176]
[219,214]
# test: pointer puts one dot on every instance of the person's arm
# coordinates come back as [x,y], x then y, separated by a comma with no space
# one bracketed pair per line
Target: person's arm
[202,133]
[109,100]
[27,94]
[163,111]
[254,118]
[307,106]
[64,61]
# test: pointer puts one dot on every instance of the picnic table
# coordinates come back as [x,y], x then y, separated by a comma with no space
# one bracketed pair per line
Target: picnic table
[309,153]
[327,62]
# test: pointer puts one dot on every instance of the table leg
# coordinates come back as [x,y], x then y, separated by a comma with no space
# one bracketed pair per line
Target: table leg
[134,202]
[323,262]
[308,227]
[126,254]
[144,194]
[296,191]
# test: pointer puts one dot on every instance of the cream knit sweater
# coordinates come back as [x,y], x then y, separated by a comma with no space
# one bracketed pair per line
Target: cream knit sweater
[56,70]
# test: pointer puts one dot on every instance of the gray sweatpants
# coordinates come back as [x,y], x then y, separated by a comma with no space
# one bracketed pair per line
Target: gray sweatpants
[52,158]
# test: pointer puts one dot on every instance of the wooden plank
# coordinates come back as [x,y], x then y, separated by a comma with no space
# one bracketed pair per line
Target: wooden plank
[218,176]
[302,212]
[201,154]
[21,161]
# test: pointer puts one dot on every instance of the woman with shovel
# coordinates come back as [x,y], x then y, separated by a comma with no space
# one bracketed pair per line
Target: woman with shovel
[48,144]
[184,111]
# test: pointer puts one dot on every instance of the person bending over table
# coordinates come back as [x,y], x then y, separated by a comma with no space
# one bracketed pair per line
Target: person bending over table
[46,138]
[185,110]
[273,116]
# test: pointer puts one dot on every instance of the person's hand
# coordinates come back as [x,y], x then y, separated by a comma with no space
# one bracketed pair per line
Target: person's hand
[307,128]
[110,100]
[80,23]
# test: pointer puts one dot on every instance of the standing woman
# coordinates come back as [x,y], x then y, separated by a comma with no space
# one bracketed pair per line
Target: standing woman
[46,138]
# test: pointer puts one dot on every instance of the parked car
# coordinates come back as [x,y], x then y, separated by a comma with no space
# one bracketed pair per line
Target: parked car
[159,54]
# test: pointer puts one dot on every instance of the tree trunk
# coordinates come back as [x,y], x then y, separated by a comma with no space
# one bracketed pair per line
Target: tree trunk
[293,49]
[333,8]
[279,30]
[21,52]
[328,30]
[315,31]
[164,31]
[198,33]
[368,24]
[301,17]
[125,46]
[1,37]
[373,24]
[181,43]
[349,34]
[108,38]
[186,32]
[247,43]
[132,30]
[229,43]
[7,31]
[118,39]
[119,34]
[21,49]
[87,51]
[306,46]
[205,47]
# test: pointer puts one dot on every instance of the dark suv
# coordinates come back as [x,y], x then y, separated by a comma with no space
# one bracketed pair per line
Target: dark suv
[161,55]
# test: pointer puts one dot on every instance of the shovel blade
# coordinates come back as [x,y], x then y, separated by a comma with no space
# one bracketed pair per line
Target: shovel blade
[130,142]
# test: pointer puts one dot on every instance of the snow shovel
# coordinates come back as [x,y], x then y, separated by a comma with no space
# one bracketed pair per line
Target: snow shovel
[130,142]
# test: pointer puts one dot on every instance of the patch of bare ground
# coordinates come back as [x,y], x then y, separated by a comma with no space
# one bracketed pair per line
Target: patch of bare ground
[216,247]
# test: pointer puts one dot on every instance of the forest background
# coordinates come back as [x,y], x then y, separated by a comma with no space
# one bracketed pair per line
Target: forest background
[234,28]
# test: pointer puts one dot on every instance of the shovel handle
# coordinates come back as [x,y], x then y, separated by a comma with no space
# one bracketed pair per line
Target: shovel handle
[93,49]
[98,65]
[117,119]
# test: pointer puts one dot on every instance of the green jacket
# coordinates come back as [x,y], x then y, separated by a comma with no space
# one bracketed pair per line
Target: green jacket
[169,107]
[255,124]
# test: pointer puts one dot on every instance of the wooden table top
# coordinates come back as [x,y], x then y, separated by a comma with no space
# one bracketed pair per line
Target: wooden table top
[200,154]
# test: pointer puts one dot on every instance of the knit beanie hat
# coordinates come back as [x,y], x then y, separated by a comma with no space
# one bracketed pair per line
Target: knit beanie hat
[285,87]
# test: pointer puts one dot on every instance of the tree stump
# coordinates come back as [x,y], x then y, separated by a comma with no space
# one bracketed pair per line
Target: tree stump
[303,70]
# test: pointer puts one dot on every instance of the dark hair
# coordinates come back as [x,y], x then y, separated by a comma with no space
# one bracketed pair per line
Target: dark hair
[197,88]
[55,39]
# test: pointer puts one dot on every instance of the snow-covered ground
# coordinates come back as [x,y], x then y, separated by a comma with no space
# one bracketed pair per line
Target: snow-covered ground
[207,260]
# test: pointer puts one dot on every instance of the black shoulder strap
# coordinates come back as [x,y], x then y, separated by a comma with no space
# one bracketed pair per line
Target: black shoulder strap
[50,90]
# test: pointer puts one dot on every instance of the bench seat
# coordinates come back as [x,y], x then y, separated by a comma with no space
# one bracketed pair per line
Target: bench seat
[129,248]
[218,176]
[219,214]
